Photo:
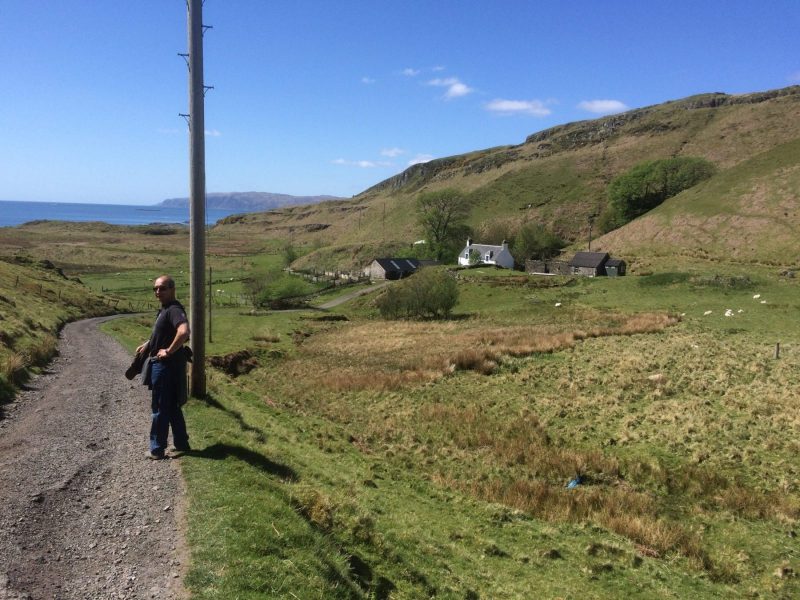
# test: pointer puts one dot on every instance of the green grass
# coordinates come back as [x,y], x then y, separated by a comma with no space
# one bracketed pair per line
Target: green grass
[303,483]
[35,302]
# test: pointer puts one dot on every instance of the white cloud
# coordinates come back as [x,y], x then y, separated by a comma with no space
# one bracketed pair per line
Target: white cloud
[437,68]
[368,80]
[419,159]
[392,152]
[213,132]
[409,72]
[361,164]
[535,108]
[455,88]
[603,107]
[794,77]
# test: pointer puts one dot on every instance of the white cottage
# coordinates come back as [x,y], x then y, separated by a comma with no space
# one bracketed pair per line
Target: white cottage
[489,255]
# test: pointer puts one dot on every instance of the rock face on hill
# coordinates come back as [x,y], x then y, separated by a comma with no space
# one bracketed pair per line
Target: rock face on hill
[249,201]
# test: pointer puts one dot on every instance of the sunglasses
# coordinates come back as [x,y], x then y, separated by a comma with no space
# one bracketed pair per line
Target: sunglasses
[160,288]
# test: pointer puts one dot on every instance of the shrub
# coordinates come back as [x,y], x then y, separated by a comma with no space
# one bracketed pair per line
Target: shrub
[427,294]
[271,287]
[534,241]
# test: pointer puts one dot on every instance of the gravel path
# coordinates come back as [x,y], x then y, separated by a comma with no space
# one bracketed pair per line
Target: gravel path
[351,295]
[83,513]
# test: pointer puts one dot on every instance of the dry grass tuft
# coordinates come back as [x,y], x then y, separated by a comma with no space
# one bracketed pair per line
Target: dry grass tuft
[40,353]
[481,360]
[14,369]
[317,508]
[266,336]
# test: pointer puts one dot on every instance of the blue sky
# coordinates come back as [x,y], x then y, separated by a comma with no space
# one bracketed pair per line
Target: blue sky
[318,97]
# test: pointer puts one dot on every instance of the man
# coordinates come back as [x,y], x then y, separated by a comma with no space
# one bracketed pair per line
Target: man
[167,370]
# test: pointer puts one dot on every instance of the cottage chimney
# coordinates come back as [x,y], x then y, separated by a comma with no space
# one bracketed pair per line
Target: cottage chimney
[505,245]
[469,241]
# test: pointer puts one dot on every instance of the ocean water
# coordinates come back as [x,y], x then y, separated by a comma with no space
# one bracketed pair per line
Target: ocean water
[17,213]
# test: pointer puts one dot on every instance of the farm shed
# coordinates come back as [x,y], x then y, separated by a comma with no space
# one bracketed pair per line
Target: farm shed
[589,264]
[392,268]
[615,267]
[489,254]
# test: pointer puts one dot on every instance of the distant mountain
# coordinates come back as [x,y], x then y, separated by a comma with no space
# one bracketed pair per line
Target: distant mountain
[248,201]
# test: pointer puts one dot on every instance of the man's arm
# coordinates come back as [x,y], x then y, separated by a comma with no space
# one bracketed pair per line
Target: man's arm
[181,335]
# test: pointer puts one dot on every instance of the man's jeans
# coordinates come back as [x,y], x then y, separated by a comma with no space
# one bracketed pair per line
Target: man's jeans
[165,380]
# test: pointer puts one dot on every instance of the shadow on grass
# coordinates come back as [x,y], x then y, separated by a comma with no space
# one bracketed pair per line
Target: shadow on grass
[214,403]
[254,459]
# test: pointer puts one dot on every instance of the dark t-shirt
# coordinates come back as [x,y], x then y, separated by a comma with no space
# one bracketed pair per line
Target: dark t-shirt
[167,321]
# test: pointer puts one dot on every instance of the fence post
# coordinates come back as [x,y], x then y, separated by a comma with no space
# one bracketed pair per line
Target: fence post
[777,350]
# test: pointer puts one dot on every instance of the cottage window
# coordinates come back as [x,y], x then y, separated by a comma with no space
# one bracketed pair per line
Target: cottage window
[466,254]
[489,255]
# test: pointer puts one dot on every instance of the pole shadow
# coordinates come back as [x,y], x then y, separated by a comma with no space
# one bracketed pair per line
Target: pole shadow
[221,451]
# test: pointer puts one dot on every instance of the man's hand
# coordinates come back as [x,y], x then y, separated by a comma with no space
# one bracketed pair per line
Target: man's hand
[162,354]
[143,347]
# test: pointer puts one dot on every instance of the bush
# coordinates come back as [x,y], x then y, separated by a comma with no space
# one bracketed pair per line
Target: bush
[266,288]
[534,241]
[427,294]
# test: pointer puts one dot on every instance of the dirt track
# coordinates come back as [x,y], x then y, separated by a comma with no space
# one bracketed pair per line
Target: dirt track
[83,514]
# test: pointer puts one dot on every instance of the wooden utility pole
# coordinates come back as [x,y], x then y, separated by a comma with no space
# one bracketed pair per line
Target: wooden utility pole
[197,197]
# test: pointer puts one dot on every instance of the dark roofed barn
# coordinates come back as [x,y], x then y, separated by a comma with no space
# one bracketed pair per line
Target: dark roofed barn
[392,268]
[590,264]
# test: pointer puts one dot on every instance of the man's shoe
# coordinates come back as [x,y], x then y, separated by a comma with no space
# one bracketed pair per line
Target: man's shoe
[154,455]
[183,448]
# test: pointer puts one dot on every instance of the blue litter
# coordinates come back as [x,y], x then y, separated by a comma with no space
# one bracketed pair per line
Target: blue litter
[574,482]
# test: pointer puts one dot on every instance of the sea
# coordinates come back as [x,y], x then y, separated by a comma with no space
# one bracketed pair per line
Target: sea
[16,213]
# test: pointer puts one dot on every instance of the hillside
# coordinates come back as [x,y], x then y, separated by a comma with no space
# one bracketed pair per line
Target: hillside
[558,177]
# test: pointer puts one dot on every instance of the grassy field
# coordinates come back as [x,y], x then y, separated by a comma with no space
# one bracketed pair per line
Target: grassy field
[365,458]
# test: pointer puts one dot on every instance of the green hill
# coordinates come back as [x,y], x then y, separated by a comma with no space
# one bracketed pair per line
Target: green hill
[558,178]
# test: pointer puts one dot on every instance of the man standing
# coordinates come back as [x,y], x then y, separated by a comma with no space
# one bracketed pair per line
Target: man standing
[167,370]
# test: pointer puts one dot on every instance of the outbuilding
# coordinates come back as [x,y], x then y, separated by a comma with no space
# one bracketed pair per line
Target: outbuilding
[589,264]
[615,267]
[392,268]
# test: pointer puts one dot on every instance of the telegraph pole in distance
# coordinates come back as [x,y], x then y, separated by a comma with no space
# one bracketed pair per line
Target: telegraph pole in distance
[197,197]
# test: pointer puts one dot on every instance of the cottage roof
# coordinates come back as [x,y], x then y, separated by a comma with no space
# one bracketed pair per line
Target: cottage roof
[591,260]
[398,264]
[485,247]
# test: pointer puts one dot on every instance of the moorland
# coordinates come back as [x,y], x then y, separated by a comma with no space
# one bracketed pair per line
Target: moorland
[360,457]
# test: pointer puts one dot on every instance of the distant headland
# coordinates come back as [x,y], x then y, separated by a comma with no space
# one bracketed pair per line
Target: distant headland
[248,201]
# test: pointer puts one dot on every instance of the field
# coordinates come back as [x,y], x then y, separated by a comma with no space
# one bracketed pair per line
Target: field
[366,458]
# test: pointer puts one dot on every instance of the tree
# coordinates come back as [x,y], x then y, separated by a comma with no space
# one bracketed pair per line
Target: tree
[648,184]
[534,241]
[442,215]
[429,293]
[289,254]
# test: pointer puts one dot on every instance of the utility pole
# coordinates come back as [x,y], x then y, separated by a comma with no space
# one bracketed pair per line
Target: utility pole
[591,222]
[197,197]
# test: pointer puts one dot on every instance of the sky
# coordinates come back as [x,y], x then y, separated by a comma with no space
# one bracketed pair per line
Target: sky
[332,97]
